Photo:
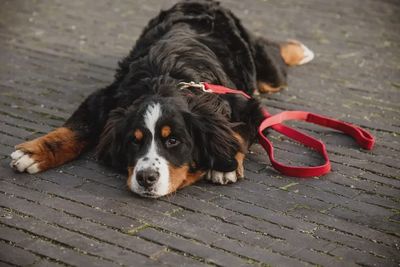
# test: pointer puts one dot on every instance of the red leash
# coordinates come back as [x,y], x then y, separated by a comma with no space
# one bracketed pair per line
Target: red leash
[363,138]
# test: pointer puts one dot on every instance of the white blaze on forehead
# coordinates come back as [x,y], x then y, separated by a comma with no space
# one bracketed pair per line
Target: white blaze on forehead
[153,113]
[152,160]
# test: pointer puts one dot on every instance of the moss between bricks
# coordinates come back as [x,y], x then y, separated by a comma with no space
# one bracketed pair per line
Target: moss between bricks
[135,230]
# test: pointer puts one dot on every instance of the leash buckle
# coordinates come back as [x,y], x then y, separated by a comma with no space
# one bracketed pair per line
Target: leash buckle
[200,85]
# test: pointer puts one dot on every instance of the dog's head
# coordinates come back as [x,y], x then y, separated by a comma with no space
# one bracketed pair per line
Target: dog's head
[167,142]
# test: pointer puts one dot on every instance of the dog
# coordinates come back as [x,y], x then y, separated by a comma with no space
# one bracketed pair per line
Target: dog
[168,136]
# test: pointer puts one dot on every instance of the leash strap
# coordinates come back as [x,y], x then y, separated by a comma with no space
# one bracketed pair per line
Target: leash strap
[362,137]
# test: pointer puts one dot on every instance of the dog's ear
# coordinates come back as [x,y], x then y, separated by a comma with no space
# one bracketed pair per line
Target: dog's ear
[215,144]
[111,143]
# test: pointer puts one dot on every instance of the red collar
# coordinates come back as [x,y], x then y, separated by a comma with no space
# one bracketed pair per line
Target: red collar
[362,137]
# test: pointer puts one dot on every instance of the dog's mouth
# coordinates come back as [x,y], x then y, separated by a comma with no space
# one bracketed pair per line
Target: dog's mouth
[148,194]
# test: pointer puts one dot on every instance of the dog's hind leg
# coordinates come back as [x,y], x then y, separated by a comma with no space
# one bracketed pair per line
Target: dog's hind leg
[295,53]
[272,60]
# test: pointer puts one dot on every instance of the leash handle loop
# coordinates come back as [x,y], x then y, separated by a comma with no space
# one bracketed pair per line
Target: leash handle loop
[362,137]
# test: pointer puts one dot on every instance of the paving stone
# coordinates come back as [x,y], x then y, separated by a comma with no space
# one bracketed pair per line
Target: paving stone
[55,252]
[362,258]
[374,221]
[15,255]
[358,243]
[209,254]
[97,233]
[262,255]
[174,259]
[345,226]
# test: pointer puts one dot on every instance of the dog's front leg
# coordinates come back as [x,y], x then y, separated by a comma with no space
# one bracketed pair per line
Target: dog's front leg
[68,142]
[219,176]
[51,150]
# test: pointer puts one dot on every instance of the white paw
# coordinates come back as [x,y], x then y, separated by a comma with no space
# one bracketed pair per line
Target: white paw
[22,162]
[221,177]
[307,53]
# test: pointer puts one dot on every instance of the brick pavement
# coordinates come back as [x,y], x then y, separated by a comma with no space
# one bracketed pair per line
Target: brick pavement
[54,53]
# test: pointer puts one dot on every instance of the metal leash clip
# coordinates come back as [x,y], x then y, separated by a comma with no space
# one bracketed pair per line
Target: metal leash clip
[185,85]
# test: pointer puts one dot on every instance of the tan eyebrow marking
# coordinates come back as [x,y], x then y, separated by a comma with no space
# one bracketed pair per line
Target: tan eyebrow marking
[165,131]
[138,134]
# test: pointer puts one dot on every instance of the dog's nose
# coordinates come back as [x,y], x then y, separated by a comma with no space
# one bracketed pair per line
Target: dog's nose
[147,178]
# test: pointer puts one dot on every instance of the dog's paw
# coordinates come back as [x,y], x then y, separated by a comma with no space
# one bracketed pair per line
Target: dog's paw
[222,177]
[218,177]
[24,162]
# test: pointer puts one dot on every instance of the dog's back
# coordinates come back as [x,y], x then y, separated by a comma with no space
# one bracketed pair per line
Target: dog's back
[194,40]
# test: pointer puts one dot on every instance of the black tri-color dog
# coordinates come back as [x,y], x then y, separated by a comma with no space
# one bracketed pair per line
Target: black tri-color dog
[168,136]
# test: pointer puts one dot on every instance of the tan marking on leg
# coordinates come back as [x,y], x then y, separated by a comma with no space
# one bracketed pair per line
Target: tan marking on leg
[181,177]
[165,131]
[242,142]
[53,149]
[265,88]
[240,155]
[295,53]
[130,172]
[138,135]
[240,169]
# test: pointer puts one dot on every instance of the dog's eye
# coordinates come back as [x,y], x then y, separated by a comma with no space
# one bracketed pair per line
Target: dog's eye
[172,142]
[134,140]
[137,137]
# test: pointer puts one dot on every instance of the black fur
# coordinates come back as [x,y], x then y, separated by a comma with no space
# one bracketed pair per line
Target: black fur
[193,41]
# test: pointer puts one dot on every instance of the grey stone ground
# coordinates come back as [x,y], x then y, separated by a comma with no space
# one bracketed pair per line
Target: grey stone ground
[54,53]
